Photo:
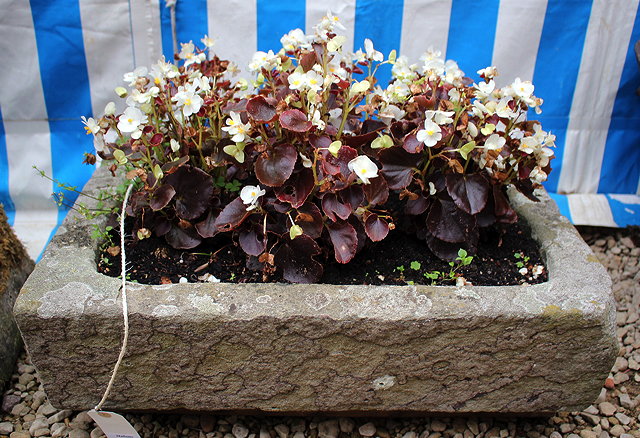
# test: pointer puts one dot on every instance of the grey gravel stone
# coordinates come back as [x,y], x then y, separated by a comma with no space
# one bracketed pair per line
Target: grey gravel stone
[330,428]
[607,409]
[6,428]
[60,416]
[20,434]
[282,430]
[367,429]
[346,424]
[79,433]
[240,431]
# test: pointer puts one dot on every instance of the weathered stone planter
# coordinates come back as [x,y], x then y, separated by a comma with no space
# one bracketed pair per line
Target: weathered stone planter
[324,348]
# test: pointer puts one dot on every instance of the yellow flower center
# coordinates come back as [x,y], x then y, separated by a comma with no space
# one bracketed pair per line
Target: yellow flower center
[187,102]
[363,171]
[430,132]
[157,81]
[130,120]
[253,194]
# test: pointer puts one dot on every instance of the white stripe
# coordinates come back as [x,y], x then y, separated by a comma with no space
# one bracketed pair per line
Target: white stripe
[517,39]
[233,23]
[425,24]
[36,213]
[343,9]
[22,97]
[28,142]
[626,199]
[145,27]
[603,58]
[106,34]
[587,209]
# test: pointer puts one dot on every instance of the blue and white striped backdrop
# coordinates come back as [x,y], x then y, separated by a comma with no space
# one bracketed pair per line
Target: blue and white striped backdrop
[61,59]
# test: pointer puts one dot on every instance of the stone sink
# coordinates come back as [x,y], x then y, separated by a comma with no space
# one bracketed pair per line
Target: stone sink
[299,349]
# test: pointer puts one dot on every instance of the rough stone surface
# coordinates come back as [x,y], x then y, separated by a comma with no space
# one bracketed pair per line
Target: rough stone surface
[15,266]
[324,348]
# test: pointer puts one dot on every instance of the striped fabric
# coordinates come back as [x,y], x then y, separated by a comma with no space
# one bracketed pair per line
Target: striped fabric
[63,58]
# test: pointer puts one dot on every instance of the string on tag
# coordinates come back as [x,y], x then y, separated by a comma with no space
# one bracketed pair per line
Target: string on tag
[125,313]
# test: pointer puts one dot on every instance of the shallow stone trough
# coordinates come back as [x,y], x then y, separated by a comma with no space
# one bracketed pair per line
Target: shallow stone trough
[365,350]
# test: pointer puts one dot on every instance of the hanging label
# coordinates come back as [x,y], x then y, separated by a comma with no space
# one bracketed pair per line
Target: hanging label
[113,425]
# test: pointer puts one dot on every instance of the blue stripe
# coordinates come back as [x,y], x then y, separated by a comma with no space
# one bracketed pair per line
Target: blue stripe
[381,22]
[63,66]
[563,204]
[191,25]
[165,31]
[472,33]
[556,71]
[65,83]
[5,197]
[276,18]
[624,214]
[621,162]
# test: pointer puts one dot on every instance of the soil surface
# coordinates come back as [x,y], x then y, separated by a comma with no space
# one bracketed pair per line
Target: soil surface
[399,259]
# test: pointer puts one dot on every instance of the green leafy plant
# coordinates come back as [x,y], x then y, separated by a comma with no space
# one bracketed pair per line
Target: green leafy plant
[522,259]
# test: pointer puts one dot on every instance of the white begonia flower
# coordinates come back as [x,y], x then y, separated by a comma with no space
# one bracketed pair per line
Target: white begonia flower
[522,89]
[294,39]
[433,64]
[432,188]
[494,142]
[297,81]
[132,77]
[454,95]
[502,109]
[250,196]
[335,43]
[452,73]
[364,168]
[110,109]
[359,57]
[397,92]
[327,25]
[538,175]
[130,121]
[306,162]
[188,99]
[313,80]
[391,113]
[335,68]
[402,71]
[90,125]
[488,72]
[317,121]
[372,54]
[203,83]
[440,117]
[335,117]
[267,60]
[175,146]
[431,134]
[236,128]
[529,144]
[473,129]
[208,42]
[190,57]
[484,89]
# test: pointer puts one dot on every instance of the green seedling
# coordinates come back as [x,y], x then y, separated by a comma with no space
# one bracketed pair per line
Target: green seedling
[522,259]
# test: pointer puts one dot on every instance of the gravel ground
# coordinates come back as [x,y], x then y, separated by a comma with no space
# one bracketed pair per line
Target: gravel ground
[26,413]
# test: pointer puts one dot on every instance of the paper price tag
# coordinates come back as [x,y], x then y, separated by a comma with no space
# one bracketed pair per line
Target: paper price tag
[113,425]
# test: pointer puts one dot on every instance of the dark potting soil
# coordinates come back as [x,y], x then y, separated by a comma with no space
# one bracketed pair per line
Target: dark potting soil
[397,260]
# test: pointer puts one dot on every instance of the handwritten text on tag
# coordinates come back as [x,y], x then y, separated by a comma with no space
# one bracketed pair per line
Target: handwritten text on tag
[113,425]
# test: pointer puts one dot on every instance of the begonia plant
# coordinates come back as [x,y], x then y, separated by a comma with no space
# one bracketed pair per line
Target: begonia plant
[312,158]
